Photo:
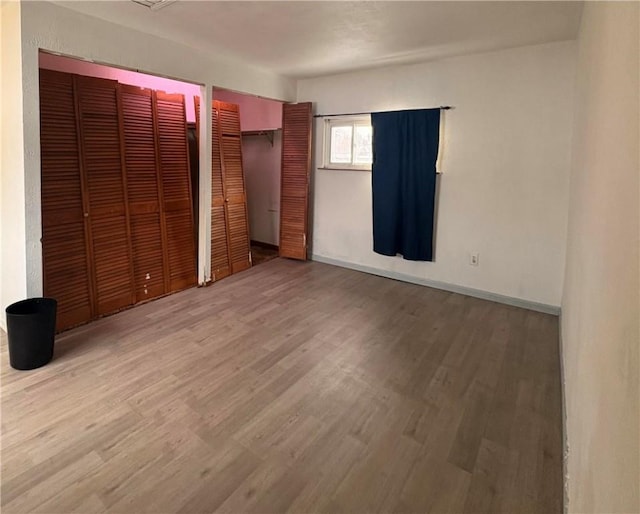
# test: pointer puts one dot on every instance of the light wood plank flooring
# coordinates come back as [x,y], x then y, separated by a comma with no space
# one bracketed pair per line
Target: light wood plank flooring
[292,387]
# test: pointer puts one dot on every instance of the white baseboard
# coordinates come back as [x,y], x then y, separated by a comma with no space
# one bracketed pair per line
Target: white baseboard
[453,288]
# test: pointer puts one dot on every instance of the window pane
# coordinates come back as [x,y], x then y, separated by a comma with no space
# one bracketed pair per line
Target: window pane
[362,145]
[341,144]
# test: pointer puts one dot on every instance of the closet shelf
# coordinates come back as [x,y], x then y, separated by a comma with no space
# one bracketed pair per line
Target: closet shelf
[268,133]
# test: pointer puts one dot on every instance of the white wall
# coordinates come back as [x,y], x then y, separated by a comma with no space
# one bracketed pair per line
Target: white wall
[504,191]
[261,163]
[54,28]
[13,284]
[601,300]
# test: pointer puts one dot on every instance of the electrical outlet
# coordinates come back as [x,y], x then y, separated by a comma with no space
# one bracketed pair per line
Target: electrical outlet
[474,258]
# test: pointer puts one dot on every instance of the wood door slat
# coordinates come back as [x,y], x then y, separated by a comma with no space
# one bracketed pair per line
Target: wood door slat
[229,118]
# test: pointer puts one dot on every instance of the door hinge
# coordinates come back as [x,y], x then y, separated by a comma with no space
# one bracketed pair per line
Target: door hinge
[250,260]
[304,240]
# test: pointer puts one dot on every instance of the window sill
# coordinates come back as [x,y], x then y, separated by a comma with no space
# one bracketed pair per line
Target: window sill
[344,169]
[356,169]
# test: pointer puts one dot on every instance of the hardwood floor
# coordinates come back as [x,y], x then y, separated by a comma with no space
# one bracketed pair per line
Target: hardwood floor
[296,387]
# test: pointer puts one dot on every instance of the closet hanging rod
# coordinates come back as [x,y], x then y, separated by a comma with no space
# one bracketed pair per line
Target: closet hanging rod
[268,133]
[442,108]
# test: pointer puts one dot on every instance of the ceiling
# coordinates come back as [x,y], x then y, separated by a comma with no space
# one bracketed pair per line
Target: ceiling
[312,38]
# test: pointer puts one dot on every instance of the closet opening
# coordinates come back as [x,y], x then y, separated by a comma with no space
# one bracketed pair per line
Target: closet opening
[261,148]
[260,176]
[119,187]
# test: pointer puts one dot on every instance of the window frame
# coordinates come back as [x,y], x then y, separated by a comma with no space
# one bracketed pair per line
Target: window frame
[342,121]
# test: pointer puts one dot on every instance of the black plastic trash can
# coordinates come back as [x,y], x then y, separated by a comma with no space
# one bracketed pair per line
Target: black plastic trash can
[31,328]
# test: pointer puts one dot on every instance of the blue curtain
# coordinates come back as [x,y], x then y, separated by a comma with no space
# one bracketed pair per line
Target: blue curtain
[405,149]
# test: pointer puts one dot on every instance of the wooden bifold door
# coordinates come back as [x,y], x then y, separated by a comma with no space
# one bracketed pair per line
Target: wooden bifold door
[230,248]
[106,193]
[117,218]
[144,187]
[294,180]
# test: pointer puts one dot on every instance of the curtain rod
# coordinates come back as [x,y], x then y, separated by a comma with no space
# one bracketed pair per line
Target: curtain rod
[442,108]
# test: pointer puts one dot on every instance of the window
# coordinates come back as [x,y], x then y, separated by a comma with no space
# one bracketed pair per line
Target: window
[347,143]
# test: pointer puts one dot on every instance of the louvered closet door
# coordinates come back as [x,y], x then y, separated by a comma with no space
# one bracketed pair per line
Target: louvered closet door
[176,184]
[220,259]
[64,227]
[235,196]
[151,273]
[220,256]
[294,188]
[106,187]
